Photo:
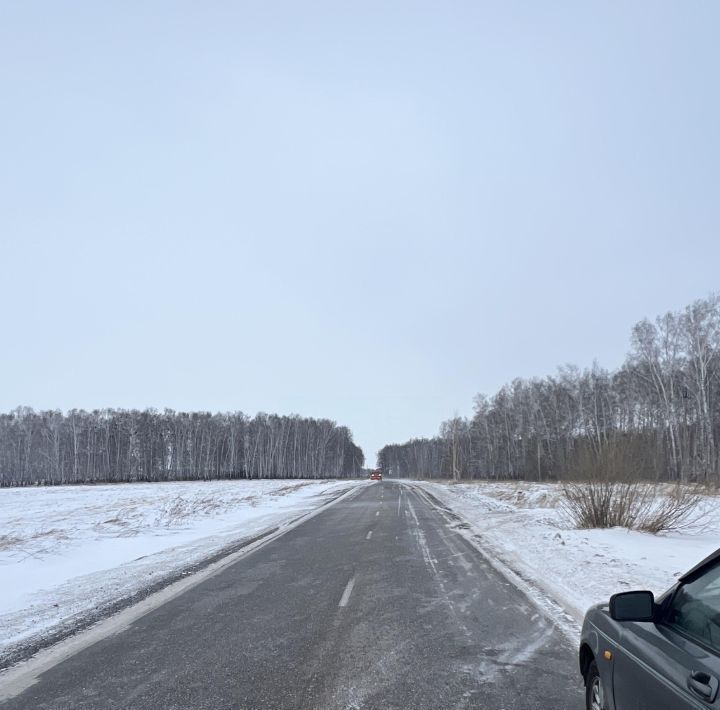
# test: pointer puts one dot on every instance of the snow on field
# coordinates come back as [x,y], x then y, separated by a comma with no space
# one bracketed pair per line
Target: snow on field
[522,525]
[68,551]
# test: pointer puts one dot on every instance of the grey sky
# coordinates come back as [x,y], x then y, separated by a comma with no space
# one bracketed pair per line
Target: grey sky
[364,211]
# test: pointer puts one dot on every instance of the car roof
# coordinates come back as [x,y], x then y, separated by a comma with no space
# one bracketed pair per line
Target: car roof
[709,560]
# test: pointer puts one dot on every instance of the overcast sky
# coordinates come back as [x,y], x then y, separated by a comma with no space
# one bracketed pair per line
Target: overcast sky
[366,211]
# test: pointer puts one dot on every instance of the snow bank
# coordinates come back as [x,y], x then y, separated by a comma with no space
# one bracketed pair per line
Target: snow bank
[70,551]
[521,525]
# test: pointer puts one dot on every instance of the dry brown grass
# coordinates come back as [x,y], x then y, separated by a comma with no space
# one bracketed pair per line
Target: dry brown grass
[9,540]
[288,489]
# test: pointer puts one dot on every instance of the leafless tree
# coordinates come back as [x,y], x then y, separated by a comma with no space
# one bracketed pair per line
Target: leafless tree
[120,445]
[655,418]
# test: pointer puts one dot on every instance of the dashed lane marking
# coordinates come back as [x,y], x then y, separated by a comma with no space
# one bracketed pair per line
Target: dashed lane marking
[346,594]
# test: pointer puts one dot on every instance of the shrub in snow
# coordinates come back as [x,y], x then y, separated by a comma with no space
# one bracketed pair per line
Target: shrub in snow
[636,506]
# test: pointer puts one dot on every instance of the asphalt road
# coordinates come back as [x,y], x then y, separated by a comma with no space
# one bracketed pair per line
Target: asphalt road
[377,602]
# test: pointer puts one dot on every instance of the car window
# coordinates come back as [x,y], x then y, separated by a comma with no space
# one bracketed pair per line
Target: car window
[695,609]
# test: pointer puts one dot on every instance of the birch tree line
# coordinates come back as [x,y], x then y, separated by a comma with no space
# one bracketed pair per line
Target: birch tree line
[655,418]
[115,445]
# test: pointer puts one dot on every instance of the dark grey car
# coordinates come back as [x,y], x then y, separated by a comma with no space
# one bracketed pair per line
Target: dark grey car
[639,653]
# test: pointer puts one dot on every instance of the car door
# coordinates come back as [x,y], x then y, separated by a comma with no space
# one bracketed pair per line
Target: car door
[673,664]
[647,675]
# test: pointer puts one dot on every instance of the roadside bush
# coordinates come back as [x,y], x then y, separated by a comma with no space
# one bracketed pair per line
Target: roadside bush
[674,511]
[636,506]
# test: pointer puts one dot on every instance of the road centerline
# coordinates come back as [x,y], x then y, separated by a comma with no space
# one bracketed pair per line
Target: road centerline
[348,591]
[417,601]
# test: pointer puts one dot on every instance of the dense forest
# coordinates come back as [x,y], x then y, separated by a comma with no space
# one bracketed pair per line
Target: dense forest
[113,445]
[657,417]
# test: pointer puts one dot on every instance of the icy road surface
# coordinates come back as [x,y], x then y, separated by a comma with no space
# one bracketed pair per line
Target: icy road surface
[378,601]
[521,526]
[68,552]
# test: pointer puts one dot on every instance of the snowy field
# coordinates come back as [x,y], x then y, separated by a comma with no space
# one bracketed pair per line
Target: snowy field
[522,525]
[70,551]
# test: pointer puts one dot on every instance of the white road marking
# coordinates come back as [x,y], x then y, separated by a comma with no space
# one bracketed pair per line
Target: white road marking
[346,594]
[369,535]
[412,512]
[18,678]
[378,513]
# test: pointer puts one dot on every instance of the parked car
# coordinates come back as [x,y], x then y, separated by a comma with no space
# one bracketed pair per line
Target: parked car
[376,475]
[642,653]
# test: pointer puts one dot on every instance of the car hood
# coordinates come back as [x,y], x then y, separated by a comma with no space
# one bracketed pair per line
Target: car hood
[596,608]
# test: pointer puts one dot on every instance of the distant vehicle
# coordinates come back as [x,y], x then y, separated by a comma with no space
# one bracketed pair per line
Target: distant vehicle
[638,652]
[376,475]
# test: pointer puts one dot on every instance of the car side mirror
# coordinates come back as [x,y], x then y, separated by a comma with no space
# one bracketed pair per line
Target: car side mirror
[632,606]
